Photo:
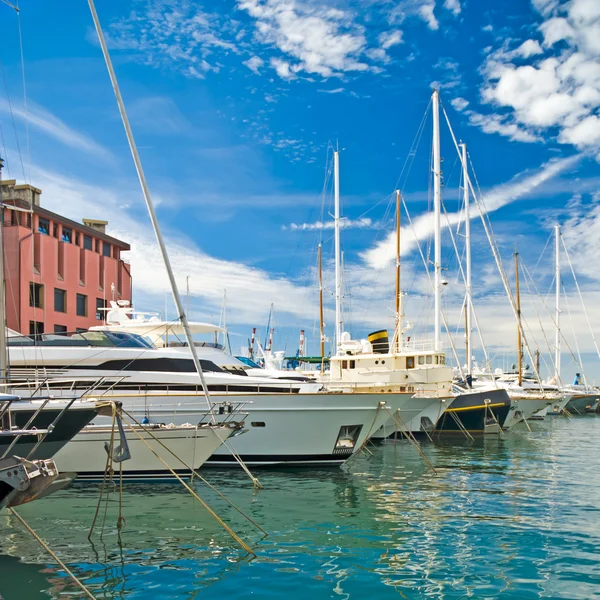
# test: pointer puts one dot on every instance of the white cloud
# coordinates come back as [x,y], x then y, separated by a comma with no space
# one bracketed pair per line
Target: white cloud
[453,6]
[384,251]
[174,34]
[254,64]
[249,289]
[459,104]
[363,223]
[338,90]
[559,89]
[318,39]
[282,68]
[47,123]
[387,39]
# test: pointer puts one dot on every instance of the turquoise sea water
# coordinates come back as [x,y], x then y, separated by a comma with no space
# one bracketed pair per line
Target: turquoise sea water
[510,517]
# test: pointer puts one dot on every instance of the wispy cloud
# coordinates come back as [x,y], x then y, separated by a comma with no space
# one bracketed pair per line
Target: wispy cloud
[363,223]
[47,123]
[382,253]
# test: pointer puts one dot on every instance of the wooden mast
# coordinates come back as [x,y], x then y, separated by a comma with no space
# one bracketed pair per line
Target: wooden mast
[519,340]
[321,324]
[398,303]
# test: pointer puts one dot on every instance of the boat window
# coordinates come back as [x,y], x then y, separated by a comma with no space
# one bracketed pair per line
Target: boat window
[429,359]
[410,362]
[257,424]
[248,361]
[421,360]
[352,364]
[344,364]
[436,359]
[442,359]
[127,340]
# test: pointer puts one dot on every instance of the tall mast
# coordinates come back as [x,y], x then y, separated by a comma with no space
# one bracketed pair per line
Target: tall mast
[338,268]
[557,317]
[321,324]
[398,300]
[4,366]
[519,340]
[437,211]
[150,205]
[469,304]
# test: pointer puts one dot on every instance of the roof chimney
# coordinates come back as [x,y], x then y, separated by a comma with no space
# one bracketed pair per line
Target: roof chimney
[96,224]
[25,192]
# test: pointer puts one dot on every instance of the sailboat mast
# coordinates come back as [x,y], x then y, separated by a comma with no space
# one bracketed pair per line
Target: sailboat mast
[398,307]
[519,340]
[338,268]
[469,304]
[321,324]
[437,211]
[150,205]
[557,317]
[4,366]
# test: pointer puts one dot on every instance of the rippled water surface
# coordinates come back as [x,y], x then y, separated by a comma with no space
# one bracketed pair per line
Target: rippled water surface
[510,517]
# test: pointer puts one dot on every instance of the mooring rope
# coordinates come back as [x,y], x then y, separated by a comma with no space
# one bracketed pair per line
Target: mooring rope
[107,468]
[410,437]
[193,493]
[196,474]
[47,548]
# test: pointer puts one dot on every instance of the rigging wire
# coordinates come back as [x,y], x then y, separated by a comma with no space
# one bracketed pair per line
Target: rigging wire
[14,124]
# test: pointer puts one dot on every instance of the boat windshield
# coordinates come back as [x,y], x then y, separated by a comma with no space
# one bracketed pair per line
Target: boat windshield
[248,362]
[110,339]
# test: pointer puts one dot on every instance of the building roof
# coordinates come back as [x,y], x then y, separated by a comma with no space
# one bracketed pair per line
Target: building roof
[48,214]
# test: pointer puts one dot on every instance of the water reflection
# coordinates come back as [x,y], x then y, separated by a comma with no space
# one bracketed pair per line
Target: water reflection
[503,517]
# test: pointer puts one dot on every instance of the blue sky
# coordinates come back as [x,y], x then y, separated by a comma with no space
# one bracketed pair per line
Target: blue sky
[236,105]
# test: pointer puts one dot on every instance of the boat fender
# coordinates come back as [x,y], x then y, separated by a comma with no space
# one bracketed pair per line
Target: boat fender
[121,452]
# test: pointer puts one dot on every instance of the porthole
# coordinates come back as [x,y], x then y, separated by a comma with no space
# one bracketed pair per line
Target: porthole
[383,362]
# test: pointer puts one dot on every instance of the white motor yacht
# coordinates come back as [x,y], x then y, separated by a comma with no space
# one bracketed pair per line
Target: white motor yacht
[285,424]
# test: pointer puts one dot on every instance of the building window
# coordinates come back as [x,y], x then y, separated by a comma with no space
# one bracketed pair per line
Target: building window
[60,329]
[106,249]
[55,230]
[87,242]
[67,235]
[98,246]
[36,295]
[60,300]
[100,304]
[44,226]
[82,305]
[36,327]
[77,238]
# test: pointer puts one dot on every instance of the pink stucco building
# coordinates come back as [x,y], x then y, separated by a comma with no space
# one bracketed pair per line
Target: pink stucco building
[58,272]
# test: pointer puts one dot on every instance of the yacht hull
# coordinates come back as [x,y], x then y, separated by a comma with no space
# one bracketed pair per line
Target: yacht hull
[524,407]
[69,424]
[477,412]
[580,404]
[416,414]
[280,429]
[86,454]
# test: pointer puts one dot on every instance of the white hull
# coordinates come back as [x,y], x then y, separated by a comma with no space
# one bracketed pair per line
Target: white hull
[414,413]
[524,408]
[280,429]
[85,454]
